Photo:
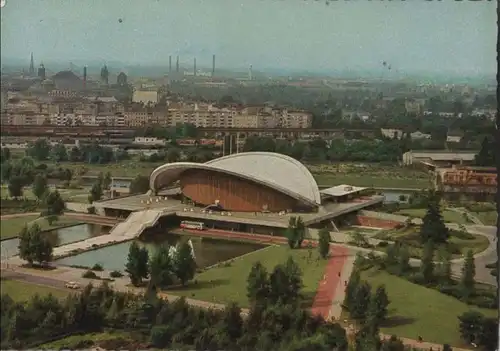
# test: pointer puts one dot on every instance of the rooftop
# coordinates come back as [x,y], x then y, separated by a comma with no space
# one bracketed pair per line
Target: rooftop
[342,190]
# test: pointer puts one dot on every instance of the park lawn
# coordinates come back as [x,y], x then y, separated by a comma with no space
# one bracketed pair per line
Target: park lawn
[72,342]
[22,291]
[225,284]
[129,168]
[415,310]
[448,216]
[66,194]
[10,228]
[372,180]
[488,217]
[458,244]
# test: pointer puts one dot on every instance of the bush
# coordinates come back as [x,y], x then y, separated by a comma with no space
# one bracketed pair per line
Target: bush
[116,274]
[383,244]
[97,267]
[89,275]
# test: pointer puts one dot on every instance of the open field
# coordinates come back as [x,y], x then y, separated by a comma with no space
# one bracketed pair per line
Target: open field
[227,283]
[418,311]
[10,228]
[458,243]
[74,341]
[488,217]
[129,168]
[22,291]
[369,175]
[76,195]
[448,216]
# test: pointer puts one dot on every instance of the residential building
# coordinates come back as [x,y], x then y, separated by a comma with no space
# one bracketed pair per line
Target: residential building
[439,157]
[145,96]
[392,133]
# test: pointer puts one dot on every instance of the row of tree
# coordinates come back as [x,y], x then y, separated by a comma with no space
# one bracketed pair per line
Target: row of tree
[165,267]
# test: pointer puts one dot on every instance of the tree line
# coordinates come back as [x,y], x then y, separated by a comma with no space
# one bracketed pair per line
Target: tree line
[274,321]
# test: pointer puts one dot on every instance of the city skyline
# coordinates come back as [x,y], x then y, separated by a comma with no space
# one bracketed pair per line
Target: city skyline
[435,38]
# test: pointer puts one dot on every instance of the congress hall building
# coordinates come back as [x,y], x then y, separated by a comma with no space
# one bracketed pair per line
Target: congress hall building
[253,192]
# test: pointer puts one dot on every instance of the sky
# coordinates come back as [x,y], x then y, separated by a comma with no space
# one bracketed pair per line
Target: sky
[411,36]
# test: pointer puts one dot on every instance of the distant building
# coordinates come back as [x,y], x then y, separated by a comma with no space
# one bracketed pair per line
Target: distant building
[145,96]
[478,180]
[439,157]
[392,133]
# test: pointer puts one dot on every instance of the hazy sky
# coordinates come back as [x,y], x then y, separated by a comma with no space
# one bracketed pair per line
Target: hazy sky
[346,35]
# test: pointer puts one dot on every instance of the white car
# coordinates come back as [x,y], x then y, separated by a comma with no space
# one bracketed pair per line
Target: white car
[72,285]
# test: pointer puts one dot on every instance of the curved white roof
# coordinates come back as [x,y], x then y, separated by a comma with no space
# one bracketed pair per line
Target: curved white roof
[276,171]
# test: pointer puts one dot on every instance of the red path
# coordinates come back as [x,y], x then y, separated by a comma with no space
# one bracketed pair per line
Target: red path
[331,280]
[327,287]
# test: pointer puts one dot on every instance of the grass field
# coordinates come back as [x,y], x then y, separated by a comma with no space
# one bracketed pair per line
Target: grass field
[76,195]
[458,243]
[22,291]
[418,311]
[448,216]
[10,228]
[228,284]
[488,217]
[74,341]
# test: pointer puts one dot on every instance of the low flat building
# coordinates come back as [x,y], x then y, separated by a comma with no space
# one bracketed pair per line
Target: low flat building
[439,157]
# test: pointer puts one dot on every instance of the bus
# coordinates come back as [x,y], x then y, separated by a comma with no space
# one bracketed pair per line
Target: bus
[193,225]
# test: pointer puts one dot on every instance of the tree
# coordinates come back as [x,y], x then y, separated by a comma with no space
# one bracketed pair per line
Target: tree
[444,268]
[467,282]
[427,263]
[59,153]
[139,185]
[161,268]
[470,326]
[173,155]
[351,288]
[16,187]
[95,192]
[185,265]
[403,259]
[433,226]
[106,182]
[294,275]
[295,232]
[137,264]
[361,301]
[378,307]
[39,150]
[257,283]
[40,187]
[486,155]
[33,247]
[324,242]
[54,203]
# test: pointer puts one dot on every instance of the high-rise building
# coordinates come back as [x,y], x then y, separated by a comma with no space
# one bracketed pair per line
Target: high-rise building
[194,68]
[41,72]
[32,66]
[170,64]
[177,65]
[213,65]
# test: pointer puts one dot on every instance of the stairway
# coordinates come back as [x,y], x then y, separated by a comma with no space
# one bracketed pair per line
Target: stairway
[135,223]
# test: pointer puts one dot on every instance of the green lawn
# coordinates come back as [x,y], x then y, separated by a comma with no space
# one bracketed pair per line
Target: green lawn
[488,217]
[458,243]
[22,291]
[375,180]
[415,310]
[448,216]
[11,227]
[66,194]
[228,284]
[130,168]
[74,341]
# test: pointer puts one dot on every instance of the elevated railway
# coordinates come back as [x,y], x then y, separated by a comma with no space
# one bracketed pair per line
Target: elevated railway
[118,132]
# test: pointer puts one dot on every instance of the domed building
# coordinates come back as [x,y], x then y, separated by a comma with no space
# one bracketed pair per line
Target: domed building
[67,80]
[245,182]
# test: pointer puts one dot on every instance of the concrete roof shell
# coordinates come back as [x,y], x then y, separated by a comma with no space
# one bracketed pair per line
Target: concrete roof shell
[277,171]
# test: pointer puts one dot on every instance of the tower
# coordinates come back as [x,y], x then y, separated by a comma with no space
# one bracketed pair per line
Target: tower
[84,77]
[32,66]
[170,64]
[250,73]
[105,75]
[194,68]
[213,65]
[177,65]
[41,72]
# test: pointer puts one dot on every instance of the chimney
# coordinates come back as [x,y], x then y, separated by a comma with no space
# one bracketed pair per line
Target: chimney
[177,65]
[84,77]
[213,65]
[170,64]
[194,67]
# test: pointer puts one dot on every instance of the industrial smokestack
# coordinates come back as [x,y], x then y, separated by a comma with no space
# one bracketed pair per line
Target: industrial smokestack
[177,65]
[84,77]
[194,67]
[170,64]
[213,65]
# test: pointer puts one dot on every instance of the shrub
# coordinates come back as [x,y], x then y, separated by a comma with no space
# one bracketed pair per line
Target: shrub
[383,244]
[97,267]
[116,274]
[89,275]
